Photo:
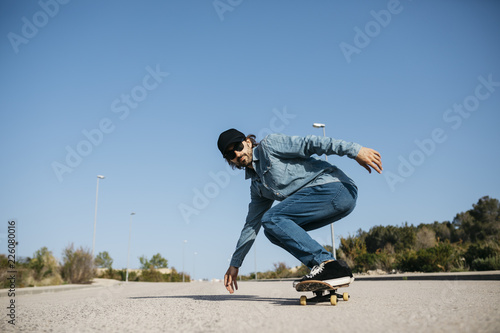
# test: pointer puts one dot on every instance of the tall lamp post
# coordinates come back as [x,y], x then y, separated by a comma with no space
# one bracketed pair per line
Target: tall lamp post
[128,253]
[95,214]
[318,125]
[194,267]
[183,250]
[254,260]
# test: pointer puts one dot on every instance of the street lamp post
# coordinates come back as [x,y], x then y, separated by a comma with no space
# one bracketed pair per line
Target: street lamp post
[128,252]
[183,250]
[194,267]
[255,259]
[95,214]
[318,125]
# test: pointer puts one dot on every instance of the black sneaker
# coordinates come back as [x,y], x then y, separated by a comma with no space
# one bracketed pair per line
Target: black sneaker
[333,272]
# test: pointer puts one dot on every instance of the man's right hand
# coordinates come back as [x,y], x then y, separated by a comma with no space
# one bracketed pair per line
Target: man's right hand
[368,157]
[230,279]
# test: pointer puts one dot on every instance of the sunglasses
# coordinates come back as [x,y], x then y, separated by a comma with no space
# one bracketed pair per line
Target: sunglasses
[230,155]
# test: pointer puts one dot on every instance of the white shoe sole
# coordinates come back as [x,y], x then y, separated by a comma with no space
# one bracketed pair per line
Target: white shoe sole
[340,281]
[334,282]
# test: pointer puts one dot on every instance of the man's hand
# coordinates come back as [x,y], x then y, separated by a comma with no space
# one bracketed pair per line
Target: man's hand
[368,157]
[230,279]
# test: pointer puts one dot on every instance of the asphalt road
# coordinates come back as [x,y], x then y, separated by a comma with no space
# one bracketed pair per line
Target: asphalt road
[374,306]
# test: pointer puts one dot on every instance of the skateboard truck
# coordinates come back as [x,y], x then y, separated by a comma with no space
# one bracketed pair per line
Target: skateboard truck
[324,296]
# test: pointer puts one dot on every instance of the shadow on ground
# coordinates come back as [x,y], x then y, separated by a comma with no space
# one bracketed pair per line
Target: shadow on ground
[227,298]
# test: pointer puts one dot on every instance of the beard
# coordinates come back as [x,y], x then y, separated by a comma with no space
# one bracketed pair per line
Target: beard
[244,161]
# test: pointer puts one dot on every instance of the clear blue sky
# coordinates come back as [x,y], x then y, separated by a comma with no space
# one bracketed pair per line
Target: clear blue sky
[418,81]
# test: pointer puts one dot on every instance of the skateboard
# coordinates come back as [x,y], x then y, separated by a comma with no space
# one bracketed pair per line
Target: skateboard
[323,292]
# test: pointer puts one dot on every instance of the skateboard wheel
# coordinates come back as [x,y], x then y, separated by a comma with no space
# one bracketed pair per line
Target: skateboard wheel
[303,300]
[333,300]
[345,296]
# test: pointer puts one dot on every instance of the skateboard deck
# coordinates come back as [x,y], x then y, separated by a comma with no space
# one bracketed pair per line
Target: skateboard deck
[323,292]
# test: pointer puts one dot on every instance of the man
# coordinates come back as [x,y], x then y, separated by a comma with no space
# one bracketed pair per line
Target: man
[313,194]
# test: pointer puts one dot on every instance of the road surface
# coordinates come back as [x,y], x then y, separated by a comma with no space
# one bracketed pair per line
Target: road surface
[374,306]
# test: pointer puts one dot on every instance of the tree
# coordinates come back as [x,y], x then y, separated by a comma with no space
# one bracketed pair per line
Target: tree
[425,238]
[482,222]
[43,264]
[444,231]
[487,215]
[103,260]
[351,248]
[157,261]
[144,262]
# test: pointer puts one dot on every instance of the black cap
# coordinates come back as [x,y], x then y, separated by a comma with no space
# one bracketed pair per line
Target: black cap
[228,137]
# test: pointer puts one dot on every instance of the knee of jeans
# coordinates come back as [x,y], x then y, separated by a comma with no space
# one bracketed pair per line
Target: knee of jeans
[345,205]
[271,238]
[266,219]
[268,222]
[351,207]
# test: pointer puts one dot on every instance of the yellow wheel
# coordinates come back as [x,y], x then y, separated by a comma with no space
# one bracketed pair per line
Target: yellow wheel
[303,300]
[333,300]
[345,296]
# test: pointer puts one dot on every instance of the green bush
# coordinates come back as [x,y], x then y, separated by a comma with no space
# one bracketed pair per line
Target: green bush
[114,274]
[480,251]
[151,275]
[365,262]
[122,275]
[45,269]
[78,265]
[23,278]
[441,258]
[435,259]
[386,261]
[486,264]
[407,261]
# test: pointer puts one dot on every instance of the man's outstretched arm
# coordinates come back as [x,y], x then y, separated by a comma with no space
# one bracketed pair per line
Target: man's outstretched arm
[368,157]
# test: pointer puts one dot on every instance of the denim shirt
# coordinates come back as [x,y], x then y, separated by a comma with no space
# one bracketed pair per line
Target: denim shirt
[282,165]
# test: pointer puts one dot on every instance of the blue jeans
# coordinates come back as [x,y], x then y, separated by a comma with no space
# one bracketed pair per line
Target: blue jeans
[287,223]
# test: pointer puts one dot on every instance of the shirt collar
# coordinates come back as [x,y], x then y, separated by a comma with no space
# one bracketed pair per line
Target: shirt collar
[249,173]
